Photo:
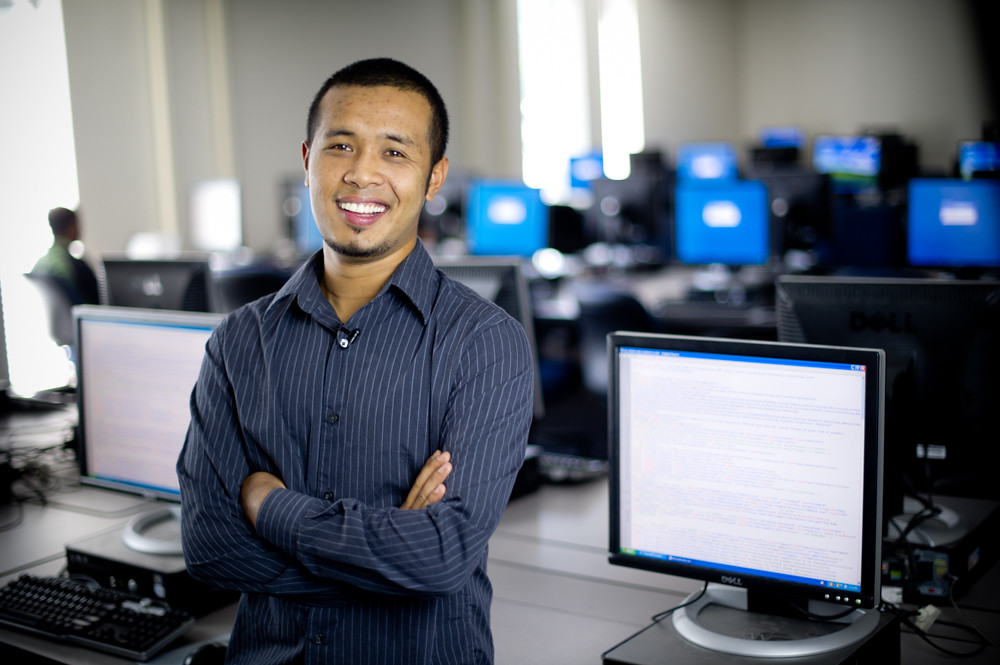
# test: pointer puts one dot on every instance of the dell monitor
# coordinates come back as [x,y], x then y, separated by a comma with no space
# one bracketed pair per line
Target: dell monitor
[953,224]
[943,370]
[136,370]
[726,223]
[755,467]
[179,284]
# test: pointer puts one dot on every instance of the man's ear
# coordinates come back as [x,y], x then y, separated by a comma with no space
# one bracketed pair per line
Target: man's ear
[305,161]
[439,173]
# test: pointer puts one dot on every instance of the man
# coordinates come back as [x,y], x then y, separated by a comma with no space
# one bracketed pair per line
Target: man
[72,275]
[326,417]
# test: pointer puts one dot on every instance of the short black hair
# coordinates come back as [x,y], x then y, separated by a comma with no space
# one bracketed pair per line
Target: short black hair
[388,72]
[60,220]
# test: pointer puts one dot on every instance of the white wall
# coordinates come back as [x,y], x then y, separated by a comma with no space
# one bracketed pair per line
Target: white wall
[712,69]
[842,66]
[278,53]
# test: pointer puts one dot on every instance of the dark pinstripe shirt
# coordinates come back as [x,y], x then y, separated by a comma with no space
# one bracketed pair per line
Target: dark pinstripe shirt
[336,572]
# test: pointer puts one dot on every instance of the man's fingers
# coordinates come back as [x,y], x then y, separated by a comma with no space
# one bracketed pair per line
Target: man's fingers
[428,488]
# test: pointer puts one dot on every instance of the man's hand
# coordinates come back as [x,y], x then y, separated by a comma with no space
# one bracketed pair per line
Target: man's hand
[254,490]
[428,488]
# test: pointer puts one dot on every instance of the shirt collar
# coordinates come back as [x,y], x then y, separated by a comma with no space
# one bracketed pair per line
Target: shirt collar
[416,280]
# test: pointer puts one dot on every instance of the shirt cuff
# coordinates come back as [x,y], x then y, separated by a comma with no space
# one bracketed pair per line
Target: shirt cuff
[280,515]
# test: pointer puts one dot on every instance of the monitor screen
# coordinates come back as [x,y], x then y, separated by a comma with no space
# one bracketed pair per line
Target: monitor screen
[782,136]
[943,363]
[750,464]
[297,209]
[4,367]
[180,284]
[216,215]
[504,218]
[852,161]
[726,223]
[136,370]
[953,223]
[977,158]
[706,161]
[500,280]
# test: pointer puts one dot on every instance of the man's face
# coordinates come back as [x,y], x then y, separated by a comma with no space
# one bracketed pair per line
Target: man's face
[368,169]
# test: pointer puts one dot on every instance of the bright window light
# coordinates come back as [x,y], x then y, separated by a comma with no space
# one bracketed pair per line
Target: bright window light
[555,117]
[621,86]
[38,172]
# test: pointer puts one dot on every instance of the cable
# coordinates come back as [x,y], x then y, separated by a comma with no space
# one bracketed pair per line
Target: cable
[657,618]
[953,581]
[905,618]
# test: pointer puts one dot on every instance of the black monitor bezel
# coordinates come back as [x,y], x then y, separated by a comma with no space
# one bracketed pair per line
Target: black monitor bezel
[871,550]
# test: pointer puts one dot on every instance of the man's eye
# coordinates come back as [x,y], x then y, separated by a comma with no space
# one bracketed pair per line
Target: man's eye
[394,153]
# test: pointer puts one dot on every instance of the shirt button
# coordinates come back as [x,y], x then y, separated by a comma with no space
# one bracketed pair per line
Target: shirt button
[319,638]
[332,417]
[328,496]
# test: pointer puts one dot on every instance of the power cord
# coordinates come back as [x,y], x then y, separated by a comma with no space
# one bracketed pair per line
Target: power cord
[657,618]
[919,621]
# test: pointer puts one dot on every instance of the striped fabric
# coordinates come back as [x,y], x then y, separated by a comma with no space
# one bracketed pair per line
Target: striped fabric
[346,416]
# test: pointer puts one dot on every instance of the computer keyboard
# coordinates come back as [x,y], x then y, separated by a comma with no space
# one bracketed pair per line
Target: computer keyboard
[102,619]
[563,467]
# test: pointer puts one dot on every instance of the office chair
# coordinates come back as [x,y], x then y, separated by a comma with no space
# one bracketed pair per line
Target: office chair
[58,306]
[605,308]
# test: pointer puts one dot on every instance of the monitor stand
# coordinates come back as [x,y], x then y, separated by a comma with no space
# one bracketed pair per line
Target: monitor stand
[156,531]
[851,629]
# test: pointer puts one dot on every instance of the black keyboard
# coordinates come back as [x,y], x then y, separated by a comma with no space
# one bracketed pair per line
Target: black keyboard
[102,619]
[563,467]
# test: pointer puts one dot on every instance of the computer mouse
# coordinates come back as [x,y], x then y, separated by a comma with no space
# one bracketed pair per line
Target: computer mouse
[210,653]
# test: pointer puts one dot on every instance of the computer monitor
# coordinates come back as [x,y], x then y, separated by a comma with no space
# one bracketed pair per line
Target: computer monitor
[297,209]
[706,161]
[800,202]
[781,136]
[854,162]
[725,223]
[504,218]
[179,284]
[633,212]
[943,370]
[977,159]
[953,223]
[756,467]
[136,369]
[500,280]
[4,367]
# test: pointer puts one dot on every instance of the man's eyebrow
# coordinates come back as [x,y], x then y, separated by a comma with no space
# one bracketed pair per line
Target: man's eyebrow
[397,138]
[405,140]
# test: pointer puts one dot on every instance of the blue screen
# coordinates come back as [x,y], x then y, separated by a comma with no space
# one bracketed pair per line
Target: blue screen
[724,223]
[304,230]
[504,218]
[848,159]
[954,223]
[976,156]
[782,137]
[706,161]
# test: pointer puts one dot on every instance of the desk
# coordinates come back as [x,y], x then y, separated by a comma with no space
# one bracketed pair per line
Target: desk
[556,599]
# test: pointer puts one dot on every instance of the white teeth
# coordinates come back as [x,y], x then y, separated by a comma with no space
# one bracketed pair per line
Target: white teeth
[362,208]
